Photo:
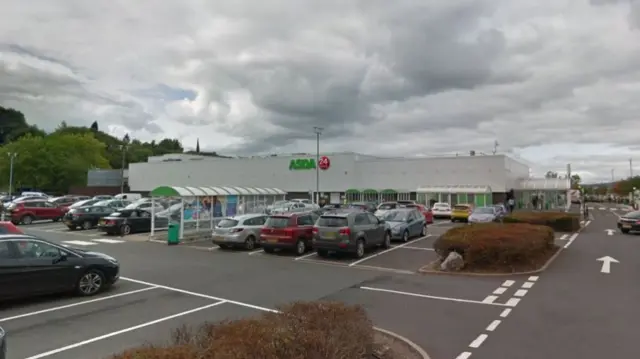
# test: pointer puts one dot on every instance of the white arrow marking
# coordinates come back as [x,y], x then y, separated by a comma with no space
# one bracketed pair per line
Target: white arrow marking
[606,263]
[610,231]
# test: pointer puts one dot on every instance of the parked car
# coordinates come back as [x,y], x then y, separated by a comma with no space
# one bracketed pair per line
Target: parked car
[485,215]
[288,231]
[349,232]
[629,222]
[127,221]
[306,202]
[146,204]
[441,210]
[128,196]
[64,201]
[365,206]
[405,202]
[9,228]
[331,207]
[426,212]
[239,231]
[3,344]
[85,217]
[86,202]
[385,207]
[461,212]
[114,204]
[103,197]
[405,223]
[25,212]
[32,266]
[290,207]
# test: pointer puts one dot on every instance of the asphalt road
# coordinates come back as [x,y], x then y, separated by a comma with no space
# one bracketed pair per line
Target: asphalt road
[166,286]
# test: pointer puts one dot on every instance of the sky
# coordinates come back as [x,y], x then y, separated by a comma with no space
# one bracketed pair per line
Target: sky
[552,81]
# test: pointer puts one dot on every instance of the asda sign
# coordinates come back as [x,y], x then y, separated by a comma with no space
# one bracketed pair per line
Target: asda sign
[300,164]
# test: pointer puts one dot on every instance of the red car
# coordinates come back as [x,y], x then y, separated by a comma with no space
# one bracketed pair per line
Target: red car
[26,212]
[9,228]
[288,231]
[426,212]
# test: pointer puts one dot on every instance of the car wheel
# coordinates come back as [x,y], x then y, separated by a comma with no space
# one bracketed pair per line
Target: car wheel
[27,219]
[90,283]
[405,236]
[15,223]
[322,253]
[57,219]
[625,231]
[125,229]
[268,249]
[386,243]
[424,231]
[250,243]
[72,228]
[223,246]
[359,249]
[86,225]
[301,247]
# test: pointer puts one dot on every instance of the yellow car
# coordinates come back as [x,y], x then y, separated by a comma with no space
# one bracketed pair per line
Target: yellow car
[461,212]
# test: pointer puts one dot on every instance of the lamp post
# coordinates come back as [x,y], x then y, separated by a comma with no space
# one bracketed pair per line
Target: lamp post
[318,132]
[12,157]
[125,143]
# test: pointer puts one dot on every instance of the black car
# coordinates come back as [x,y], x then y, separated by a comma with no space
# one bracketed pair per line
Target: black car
[31,266]
[629,222]
[3,344]
[128,221]
[85,217]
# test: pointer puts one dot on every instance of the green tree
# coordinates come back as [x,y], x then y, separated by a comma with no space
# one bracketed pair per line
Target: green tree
[94,126]
[13,126]
[575,181]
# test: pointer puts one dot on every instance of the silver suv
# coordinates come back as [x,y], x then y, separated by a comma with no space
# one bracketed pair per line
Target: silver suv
[239,231]
[349,231]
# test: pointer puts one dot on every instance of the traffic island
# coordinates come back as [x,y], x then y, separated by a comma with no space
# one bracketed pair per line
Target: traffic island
[494,249]
[327,330]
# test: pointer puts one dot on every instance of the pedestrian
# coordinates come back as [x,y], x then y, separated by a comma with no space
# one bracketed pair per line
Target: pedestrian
[511,204]
[534,201]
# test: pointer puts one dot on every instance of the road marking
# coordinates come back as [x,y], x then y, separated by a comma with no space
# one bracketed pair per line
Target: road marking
[500,290]
[476,343]
[508,283]
[571,239]
[521,293]
[588,223]
[122,331]
[505,313]
[491,327]
[490,299]
[201,295]
[418,248]
[108,240]
[80,243]
[563,237]
[458,300]
[512,302]
[464,355]
[255,252]
[527,285]
[603,209]
[305,256]
[76,304]
[533,278]
[582,222]
[388,250]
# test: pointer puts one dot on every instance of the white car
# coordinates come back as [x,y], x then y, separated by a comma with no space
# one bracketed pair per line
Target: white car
[441,210]
[385,207]
[306,202]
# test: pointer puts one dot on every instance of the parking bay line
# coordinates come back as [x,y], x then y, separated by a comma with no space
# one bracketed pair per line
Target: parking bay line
[122,331]
[388,250]
[458,300]
[201,295]
[20,316]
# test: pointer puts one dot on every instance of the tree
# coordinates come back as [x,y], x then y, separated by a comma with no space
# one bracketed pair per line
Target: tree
[13,126]
[575,181]
[551,174]
[94,126]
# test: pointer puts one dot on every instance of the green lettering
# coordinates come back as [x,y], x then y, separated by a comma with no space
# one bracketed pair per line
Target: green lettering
[302,164]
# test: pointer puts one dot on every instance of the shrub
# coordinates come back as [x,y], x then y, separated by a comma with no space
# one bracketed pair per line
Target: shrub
[312,330]
[558,221]
[494,244]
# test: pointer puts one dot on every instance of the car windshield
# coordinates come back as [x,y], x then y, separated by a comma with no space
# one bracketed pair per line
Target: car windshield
[227,223]
[277,222]
[81,210]
[441,205]
[326,221]
[387,206]
[103,203]
[395,216]
[461,208]
[484,210]
[84,203]
[633,215]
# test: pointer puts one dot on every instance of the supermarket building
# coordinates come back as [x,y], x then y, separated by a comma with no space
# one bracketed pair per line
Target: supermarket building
[481,179]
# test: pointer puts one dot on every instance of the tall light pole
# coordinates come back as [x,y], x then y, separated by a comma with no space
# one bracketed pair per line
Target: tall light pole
[631,167]
[125,142]
[12,157]
[318,131]
[612,177]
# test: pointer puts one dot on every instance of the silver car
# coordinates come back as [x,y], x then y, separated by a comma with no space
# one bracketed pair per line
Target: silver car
[485,215]
[405,223]
[240,231]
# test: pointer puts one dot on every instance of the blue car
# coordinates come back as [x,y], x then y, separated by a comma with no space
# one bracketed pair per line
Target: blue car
[405,223]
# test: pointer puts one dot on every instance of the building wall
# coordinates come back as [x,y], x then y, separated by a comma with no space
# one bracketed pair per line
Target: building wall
[515,172]
[100,178]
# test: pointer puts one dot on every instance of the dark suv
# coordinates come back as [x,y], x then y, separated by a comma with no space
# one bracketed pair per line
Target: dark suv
[349,231]
[289,231]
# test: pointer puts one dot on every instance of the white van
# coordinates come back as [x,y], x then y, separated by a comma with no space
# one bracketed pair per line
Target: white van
[128,196]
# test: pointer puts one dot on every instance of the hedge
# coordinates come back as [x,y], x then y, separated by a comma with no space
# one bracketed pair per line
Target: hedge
[495,244]
[311,330]
[558,221]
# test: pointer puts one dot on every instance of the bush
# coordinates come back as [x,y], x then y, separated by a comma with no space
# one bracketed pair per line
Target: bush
[558,221]
[313,330]
[493,244]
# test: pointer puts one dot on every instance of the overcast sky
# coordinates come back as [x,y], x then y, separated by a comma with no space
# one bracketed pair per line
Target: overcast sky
[553,81]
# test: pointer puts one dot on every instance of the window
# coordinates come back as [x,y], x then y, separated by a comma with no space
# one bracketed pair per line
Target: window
[227,223]
[277,222]
[50,205]
[305,220]
[314,217]
[5,250]
[133,214]
[34,204]
[28,248]
[326,221]
[373,219]
[144,214]
[362,219]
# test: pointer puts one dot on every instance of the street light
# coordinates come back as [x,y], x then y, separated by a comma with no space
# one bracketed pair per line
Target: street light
[12,157]
[125,142]
[318,132]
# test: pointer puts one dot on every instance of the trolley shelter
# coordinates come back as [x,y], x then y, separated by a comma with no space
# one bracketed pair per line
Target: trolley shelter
[200,208]
[456,194]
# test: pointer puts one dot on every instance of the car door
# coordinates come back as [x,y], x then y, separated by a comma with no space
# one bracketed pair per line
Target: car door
[414,223]
[255,224]
[305,225]
[143,222]
[37,208]
[43,271]
[12,271]
[378,227]
[364,226]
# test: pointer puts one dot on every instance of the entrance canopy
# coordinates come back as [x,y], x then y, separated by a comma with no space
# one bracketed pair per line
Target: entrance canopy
[454,189]
[545,184]
[173,191]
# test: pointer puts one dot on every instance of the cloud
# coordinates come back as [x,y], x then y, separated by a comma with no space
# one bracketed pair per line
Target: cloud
[400,78]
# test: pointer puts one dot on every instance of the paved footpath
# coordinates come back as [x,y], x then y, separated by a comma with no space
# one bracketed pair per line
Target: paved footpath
[574,309]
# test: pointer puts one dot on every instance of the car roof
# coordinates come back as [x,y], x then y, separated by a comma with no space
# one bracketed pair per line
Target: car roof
[242,217]
[403,209]
[342,212]
[291,214]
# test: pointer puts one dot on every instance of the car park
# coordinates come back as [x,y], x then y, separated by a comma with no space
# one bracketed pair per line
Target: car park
[349,232]
[25,212]
[385,207]
[405,223]
[441,210]
[461,212]
[485,215]
[86,217]
[288,231]
[127,221]
[31,266]
[629,222]
[239,231]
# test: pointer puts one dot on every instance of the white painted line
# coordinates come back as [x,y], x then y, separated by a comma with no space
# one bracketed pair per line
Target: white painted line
[571,239]
[458,300]
[491,327]
[418,248]
[589,222]
[489,299]
[305,256]
[476,343]
[364,266]
[563,237]
[521,293]
[533,278]
[582,222]
[464,355]
[122,331]
[513,302]
[388,250]
[80,243]
[500,290]
[260,251]
[603,208]
[527,285]
[195,294]
[505,313]
[508,283]
[108,240]
[42,228]
[76,304]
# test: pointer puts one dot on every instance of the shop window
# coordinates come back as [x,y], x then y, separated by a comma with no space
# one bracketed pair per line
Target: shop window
[462,198]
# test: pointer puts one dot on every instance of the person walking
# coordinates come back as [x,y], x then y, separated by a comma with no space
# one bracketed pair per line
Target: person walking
[511,204]
[534,201]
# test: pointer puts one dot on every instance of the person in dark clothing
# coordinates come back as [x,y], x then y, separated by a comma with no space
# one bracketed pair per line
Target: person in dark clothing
[534,201]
